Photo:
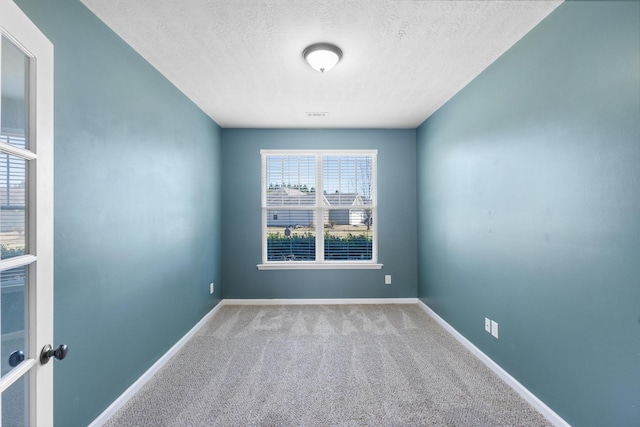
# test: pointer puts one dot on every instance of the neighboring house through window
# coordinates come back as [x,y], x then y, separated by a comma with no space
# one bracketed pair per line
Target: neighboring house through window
[319,209]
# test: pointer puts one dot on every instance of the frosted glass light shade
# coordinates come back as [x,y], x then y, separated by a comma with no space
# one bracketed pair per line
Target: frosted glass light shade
[322,56]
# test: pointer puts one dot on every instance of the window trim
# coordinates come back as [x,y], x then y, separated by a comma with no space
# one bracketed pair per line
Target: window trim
[319,263]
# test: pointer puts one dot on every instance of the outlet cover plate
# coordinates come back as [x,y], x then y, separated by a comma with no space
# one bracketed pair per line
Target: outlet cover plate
[494,328]
[387,279]
[487,324]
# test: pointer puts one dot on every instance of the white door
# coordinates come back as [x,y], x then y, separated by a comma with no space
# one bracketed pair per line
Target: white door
[26,220]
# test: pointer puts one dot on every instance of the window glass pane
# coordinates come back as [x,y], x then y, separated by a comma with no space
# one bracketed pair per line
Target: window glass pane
[14,90]
[291,235]
[349,235]
[13,311]
[291,180]
[15,405]
[348,184]
[13,173]
[347,180]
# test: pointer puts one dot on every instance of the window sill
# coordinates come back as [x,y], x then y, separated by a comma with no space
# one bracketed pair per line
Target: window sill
[297,265]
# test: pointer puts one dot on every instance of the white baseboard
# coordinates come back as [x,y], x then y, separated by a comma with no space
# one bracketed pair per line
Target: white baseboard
[531,398]
[144,378]
[320,301]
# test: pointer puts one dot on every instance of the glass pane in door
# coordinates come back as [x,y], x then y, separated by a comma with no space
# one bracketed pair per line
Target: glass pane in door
[13,177]
[26,207]
[15,403]
[13,319]
[14,108]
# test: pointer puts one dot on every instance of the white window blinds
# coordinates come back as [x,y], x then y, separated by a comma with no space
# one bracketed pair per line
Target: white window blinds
[290,199]
[348,189]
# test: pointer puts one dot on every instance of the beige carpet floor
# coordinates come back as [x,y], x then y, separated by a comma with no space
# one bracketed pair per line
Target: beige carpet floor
[325,365]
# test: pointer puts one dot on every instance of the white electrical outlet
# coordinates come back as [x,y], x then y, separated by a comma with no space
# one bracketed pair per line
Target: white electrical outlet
[487,324]
[494,328]
[387,279]
[211,287]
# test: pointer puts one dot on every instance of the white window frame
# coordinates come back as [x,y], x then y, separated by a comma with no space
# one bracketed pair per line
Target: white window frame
[319,208]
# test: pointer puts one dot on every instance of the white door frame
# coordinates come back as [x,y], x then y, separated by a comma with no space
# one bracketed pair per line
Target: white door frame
[19,29]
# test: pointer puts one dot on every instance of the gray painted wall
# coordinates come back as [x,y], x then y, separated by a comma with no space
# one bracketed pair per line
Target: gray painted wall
[529,207]
[137,217]
[241,216]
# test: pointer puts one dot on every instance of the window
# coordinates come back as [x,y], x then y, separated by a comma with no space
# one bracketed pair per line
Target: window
[319,209]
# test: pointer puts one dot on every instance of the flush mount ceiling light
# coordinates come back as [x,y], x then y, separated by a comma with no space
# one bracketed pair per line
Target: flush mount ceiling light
[322,56]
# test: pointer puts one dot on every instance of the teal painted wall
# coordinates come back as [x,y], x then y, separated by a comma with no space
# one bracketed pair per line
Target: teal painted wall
[529,208]
[137,213]
[241,215]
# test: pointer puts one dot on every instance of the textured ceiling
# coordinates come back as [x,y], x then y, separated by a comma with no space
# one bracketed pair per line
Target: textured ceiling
[241,61]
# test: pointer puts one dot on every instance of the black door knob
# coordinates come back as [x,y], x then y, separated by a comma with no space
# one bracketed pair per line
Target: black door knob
[16,358]
[48,352]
